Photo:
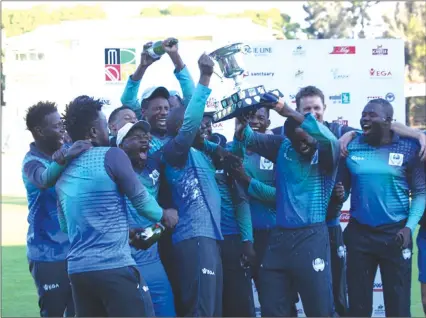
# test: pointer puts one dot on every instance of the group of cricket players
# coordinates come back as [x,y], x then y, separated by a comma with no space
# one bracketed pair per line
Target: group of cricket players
[264,206]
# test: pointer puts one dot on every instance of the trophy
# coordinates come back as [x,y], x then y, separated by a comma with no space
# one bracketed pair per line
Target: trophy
[244,99]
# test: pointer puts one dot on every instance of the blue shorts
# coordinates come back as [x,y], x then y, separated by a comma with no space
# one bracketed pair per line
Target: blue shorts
[421,260]
[159,288]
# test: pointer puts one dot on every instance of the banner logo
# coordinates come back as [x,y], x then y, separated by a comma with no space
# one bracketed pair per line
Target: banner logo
[380,50]
[337,75]
[343,98]
[119,64]
[257,51]
[377,73]
[390,97]
[343,50]
[341,121]
[299,51]
[265,74]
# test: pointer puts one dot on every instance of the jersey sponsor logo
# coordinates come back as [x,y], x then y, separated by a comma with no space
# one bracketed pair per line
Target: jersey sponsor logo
[406,253]
[343,50]
[318,264]
[314,160]
[206,271]
[341,251]
[379,311]
[266,164]
[48,287]
[356,158]
[396,159]
[219,171]
[154,175]
[377,287]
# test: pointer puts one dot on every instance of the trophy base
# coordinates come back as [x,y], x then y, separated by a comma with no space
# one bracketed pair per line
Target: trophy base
[242,102]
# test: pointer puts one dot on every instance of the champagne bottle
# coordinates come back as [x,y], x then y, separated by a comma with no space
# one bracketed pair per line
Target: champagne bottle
[150,235]
[157,50]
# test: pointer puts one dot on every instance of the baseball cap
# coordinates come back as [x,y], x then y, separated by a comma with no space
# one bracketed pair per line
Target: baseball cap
[127,128]
[174,93]
[155,91]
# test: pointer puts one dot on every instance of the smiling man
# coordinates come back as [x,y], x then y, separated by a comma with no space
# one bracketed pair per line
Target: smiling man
[134,140]
[298,255]
[383,170]
[117,119]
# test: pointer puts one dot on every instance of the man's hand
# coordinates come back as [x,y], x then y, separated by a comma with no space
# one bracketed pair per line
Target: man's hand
[249,255]
[235,168]
[170,218]
[282,108]
[134,239]
[241,123]
[170,45]
[206,65]
[62,156]
[146,59]
[345,140]
[403,237]
[339,192]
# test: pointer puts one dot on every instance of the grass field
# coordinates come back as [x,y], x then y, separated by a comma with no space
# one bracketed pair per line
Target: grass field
[19,297]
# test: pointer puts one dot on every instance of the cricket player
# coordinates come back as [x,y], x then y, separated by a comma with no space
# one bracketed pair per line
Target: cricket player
[47,245]
[117,119]
[383,170]
[191,176]
[92,210]
[134,140]
[298,255]
[155,101]
[237,250]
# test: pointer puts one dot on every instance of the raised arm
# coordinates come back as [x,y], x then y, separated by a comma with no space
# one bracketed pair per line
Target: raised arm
[130,94]
[181,70]
[405,131]
[265,145]
[176,150]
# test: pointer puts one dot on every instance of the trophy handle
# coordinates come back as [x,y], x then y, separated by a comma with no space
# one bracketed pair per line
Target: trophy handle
[217,74]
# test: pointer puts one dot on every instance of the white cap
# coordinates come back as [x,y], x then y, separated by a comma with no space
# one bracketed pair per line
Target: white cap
[127,128]
[155,91]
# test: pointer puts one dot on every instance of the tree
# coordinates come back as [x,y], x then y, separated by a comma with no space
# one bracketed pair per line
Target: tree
[408,23]
[280,22]
[336,20]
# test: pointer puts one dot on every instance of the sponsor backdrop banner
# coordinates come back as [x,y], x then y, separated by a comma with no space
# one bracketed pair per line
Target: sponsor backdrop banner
[349,72]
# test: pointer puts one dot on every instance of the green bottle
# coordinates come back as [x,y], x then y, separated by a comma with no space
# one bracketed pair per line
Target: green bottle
[150,235]
[157,50]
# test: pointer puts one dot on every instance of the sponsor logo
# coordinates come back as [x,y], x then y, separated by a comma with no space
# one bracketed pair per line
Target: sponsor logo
[299,74]
[341,251]
[396,159]
[337,75]
[341,121]
[379,50]
[377,287]
[154,176]
[376,73]
[379,311]
[266,74]
[406,253]
[293,98]
[356,158]
[207,272]
[119,64]
[257,51]
[299,51]
[343,98]
[344,217]
[343,50]
[390,97]
[265,164]
[318,264]
[374,97]
[48,287]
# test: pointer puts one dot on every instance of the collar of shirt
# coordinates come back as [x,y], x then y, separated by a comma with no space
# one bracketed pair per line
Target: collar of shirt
[395,139]
[38,153]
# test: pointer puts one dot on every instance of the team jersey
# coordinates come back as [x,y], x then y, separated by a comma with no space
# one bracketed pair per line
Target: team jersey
[45,240]
[149,177]
[92,209]
[191,176]
[381,180]
[304,184]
